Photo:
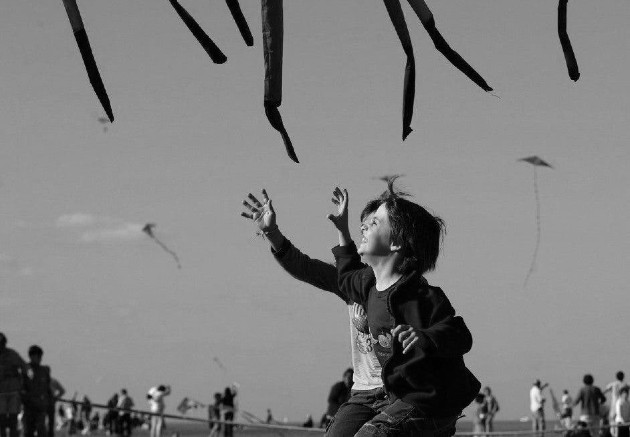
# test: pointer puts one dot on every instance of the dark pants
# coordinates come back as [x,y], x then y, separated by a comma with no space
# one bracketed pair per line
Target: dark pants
[50,414]
[124,424]
[227,430]
[362,406]
[112,426]
[9,421]
[34,421]
[623,431]
[404,420]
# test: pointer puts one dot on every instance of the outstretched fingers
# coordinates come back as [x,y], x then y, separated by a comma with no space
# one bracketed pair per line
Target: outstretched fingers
[254,200]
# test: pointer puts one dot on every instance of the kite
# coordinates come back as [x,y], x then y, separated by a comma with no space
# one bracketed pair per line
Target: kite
[148,229]
[188,404]
[569,56]
[273,35]
[208,45]
[536,162]
[88,57]
[423,12]
[219,363]
[241,23]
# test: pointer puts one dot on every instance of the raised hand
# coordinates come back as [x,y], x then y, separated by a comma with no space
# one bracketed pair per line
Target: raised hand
[263,214]
[340,220]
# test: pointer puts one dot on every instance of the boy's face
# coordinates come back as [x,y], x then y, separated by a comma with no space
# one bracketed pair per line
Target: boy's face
[35,358]
[376,234]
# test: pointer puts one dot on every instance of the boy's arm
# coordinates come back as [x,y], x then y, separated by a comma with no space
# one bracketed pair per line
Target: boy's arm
[292,260]
[353,275]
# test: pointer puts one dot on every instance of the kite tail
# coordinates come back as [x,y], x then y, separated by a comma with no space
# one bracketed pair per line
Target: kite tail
[241,23]
[533,264]
[273,34]
[409,91]
[169,251]
[569,56]
[206,42]
[426,18]
[88,57]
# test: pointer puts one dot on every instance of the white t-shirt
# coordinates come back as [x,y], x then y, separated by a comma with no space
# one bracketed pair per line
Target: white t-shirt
[535,399]
[614,388]
[622,411]
[156,403]
[367,369]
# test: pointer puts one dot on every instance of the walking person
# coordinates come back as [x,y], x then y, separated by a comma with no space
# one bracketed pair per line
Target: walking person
[481,415]
[228,410]
[591,398]
[566,414]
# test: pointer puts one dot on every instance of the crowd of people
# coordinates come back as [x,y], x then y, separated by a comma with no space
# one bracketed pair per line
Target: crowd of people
[598,417]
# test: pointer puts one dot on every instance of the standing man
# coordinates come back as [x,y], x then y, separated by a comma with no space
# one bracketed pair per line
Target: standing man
[492,406]
[37,394]
[125,404]
[591,398]
[537,406]
[12,371]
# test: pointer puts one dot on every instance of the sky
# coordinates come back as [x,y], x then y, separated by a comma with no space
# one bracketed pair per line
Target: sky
[190,140]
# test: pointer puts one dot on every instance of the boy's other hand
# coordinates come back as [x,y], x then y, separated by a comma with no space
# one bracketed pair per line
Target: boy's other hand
[340,220]
[407,336]
[263,214]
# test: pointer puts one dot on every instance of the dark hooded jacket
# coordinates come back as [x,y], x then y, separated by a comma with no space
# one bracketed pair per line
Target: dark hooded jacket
[432,377]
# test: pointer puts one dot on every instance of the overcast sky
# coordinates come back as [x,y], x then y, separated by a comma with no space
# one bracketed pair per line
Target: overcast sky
[190,140]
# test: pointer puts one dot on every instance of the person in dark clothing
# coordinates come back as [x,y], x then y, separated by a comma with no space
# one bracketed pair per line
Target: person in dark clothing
[12,372]
[417,337]
[112,415]
[214,413]
[339,394]
[37,394]
[227,403]
[591,398]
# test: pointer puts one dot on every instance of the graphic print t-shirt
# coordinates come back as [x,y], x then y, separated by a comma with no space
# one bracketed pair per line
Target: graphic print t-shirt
[367,370]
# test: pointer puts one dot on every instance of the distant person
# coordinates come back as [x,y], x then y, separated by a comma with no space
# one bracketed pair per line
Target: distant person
[227,403]
[37,394]
[111,418]
[86,415]
[308,423]
[57,392]
[481,415]
[492,407]
[269,416]
[614,388]
[591,398]
[155,396]
[622,412]
[566,412]
[537,407]
[214,414]
[12,369]
[94,421]
[339,394]
[125,404]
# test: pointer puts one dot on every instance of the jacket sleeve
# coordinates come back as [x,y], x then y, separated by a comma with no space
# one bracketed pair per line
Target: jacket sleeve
[303,268]
[447,335]
[355,278]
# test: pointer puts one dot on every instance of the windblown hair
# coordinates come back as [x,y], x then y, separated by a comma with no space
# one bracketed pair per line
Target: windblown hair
[588,379]
[418,232]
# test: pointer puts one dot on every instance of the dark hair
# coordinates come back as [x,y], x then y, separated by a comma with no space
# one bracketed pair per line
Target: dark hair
[479,398]
[35,350]
[3,338]
[413,228]
[349,371]
[588,379]
[620,375]
[124,391]
[161,388]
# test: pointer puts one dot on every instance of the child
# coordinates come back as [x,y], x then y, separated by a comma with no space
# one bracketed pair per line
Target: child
[417,337]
